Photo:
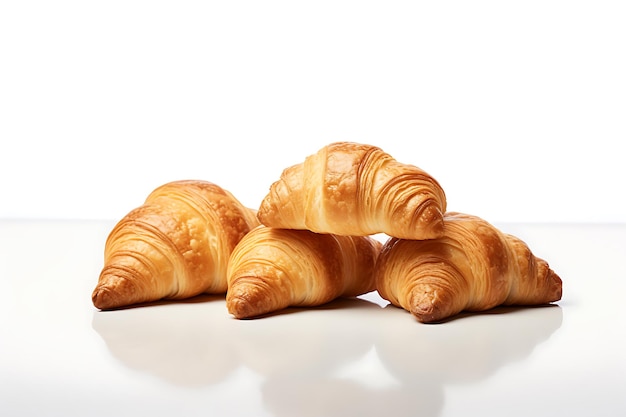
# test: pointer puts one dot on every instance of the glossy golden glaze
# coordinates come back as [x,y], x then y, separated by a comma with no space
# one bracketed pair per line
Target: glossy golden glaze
[356,190]
[473,267]
[175,246]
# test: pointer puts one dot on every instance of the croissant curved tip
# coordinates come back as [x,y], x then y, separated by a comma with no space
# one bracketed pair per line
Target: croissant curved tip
[550,284]
[431,222]
[114,291]
[556,286]
[436,229]
[427,223]
[239,308]
[431,305]
[243,304]
[104,299]
[426,311]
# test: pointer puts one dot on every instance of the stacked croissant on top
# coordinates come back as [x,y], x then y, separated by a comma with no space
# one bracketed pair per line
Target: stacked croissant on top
[311,241]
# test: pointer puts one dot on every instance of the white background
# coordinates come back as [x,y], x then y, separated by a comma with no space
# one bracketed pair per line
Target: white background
[517,108]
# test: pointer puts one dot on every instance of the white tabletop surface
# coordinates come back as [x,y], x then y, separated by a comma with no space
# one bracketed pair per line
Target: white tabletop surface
[59,356]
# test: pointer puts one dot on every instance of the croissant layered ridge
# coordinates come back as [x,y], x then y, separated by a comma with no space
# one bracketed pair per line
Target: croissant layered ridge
[473,267]
[354,189]
[174,246]
[272,269]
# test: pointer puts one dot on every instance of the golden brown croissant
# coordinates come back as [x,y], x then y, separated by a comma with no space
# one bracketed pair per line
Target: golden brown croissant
[176,245]
[355,190]
[271,269]
[473,267]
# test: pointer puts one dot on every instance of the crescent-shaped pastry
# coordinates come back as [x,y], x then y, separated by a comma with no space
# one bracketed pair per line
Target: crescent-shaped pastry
[473,267]
[271,269]
[355,189]
[175,246]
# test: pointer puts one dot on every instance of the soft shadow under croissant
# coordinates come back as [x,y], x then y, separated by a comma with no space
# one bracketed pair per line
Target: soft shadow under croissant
[175,246]
[473,267]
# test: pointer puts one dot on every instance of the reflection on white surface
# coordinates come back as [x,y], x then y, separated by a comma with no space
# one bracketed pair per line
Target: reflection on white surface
[361,357]
[174,344]
[202,344]
[467,348]
[298,351]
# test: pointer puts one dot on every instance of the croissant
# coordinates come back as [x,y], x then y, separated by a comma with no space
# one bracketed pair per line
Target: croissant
[355,190]
[271,269]
[176,245]
[473,267]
